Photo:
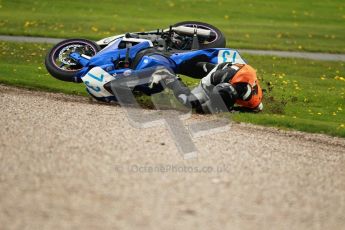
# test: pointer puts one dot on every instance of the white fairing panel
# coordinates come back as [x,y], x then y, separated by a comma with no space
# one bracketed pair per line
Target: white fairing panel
[229,55]
[106,41]
[138,40]
[95,80]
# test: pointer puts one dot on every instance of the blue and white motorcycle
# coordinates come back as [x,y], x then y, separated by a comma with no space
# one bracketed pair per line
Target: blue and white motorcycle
[179,48]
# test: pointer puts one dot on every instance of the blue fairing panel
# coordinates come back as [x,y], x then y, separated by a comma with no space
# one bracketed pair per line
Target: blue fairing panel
[155,60]
[179,58]
[107,56]
[215,56]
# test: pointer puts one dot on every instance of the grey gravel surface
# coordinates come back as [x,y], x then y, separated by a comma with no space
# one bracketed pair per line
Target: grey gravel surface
[290,54]
[68,163]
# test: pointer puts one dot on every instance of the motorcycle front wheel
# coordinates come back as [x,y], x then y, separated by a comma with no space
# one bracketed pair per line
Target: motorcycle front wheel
[61,66]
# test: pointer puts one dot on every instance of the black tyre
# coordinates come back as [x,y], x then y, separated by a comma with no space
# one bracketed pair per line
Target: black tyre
[61,66]
[217,41]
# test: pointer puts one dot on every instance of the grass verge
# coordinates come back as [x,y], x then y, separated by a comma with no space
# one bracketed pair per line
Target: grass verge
[300,94]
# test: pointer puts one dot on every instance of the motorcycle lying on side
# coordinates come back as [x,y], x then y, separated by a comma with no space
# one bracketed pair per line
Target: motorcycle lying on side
[179,48]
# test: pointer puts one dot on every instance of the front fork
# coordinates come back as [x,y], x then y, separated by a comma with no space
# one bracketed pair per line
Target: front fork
[81,59]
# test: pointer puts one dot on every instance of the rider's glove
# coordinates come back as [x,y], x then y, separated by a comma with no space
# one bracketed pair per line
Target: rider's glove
[224,94]
[224,73]
[223,65]
[219,70]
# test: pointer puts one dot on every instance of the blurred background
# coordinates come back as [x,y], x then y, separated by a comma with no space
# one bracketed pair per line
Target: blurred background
[284,25]
[302,94]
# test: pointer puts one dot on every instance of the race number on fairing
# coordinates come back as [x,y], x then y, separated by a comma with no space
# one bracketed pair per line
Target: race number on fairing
[229,55]
[95,80]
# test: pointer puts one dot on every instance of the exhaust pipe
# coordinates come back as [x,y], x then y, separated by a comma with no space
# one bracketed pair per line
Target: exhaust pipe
[190,31]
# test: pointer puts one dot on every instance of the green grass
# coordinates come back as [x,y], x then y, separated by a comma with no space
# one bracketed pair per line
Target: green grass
[300,94]
[307,25]
[23,65]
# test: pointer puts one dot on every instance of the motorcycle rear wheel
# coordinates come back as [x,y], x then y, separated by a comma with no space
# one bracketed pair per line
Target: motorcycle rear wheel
[61,66]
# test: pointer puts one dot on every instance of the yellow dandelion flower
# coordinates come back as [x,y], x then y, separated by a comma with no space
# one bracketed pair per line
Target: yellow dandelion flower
[27,24]
[319,113]
[94,29]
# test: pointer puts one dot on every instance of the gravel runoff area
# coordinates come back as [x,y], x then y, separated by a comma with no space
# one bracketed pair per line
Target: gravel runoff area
[290,54]
[69,163]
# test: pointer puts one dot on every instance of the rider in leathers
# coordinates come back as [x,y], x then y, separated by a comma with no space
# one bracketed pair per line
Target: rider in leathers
[224,86]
